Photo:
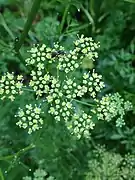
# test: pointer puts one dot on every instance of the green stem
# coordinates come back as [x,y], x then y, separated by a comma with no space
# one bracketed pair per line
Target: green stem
[24,166]
[3,22]
[31,16]
[76,29]
[31,90]
[18,54]
[89,18]
[92,7]
[1,175]
[84,103]
[18,153]
[64,18]
[57,73]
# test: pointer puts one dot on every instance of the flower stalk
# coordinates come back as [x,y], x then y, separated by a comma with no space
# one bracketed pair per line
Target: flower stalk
[31,16]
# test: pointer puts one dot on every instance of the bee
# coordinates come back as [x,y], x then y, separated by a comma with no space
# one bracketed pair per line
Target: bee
[57,53]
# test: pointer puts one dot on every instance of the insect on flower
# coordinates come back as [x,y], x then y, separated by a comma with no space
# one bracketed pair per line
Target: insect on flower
[57,53]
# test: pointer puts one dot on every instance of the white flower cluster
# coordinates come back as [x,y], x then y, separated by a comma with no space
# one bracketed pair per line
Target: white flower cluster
[129,161]
[40,82]
[61,94]
[81,124]
[39,54]
[10,86]
[58,92]
[112,106]
[86,47]
[60,107]
[65,61]
[39,174]
[72,89]
[93,82]
[68,62]
[27,178]
[56,85]
[30,118]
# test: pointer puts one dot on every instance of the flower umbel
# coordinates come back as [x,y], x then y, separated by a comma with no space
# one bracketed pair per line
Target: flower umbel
[54,80]
[10,86]
[30,118]
[112,106]
[81,124]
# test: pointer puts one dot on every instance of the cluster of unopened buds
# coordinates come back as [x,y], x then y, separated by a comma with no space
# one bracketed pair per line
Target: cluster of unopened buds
[53,81]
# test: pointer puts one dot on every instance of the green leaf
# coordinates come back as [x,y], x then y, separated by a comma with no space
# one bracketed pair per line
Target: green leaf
[131,1]
[116,137]
[1,175]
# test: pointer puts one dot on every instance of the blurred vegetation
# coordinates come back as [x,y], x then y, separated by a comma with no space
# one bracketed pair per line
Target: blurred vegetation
[112,24]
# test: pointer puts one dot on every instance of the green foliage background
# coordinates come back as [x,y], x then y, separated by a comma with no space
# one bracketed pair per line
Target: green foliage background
[110,22]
